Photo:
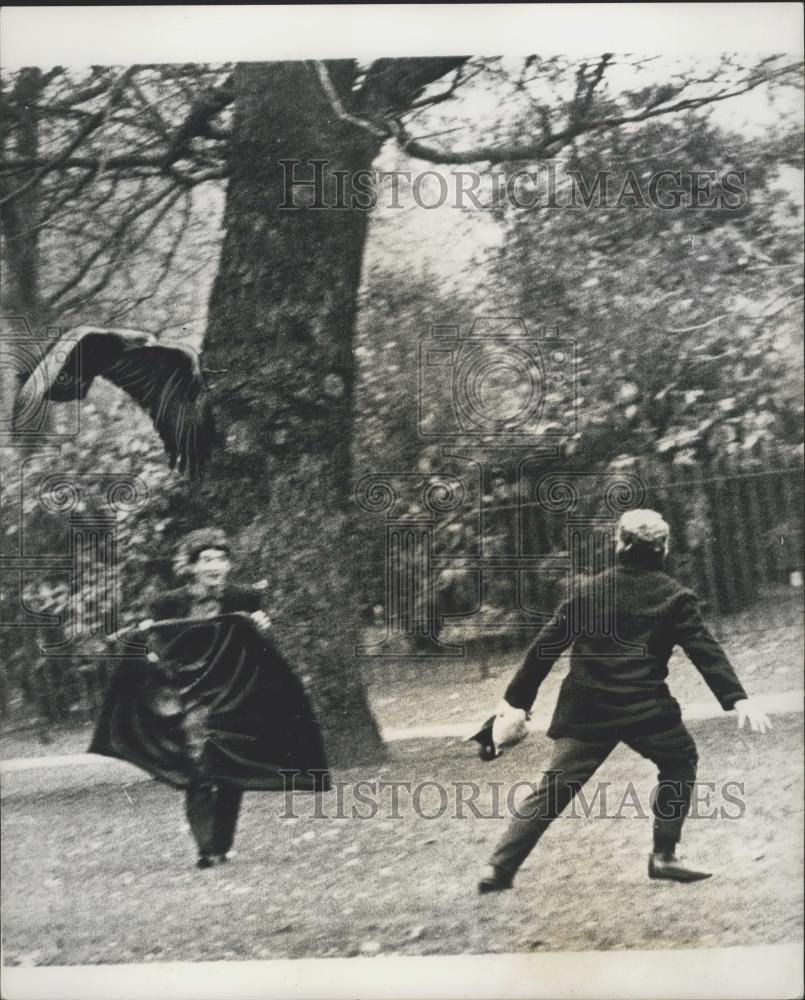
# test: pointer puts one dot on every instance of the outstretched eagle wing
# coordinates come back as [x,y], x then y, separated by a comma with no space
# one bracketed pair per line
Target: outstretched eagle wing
[69,365]
[167,383]
[165,380]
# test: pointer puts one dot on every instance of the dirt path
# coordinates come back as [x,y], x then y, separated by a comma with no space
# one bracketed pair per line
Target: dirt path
[781,703]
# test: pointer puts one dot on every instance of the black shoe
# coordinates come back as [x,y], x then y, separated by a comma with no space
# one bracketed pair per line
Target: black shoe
[211,860]
[494,879]
[669,866]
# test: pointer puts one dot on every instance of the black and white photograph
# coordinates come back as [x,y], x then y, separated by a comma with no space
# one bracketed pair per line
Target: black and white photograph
[401,501]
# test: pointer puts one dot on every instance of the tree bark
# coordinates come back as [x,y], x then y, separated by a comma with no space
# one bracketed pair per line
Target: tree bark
[281,318]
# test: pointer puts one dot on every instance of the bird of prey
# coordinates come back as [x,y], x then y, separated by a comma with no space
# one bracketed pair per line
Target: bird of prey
[165,380]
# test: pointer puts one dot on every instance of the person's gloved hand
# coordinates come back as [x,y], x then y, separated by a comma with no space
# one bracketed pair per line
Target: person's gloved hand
[509,726]
[261,620]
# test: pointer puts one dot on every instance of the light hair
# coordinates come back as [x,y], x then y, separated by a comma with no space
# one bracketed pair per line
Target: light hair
[643,527]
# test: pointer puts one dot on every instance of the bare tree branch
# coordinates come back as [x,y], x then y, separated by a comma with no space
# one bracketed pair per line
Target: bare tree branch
[84,132]
[391,85]
[699,326]
[460,78]
[86,93]
[167,263]
[538,148]
[338,108]
[155,165]
[150,110]
[586,86]
[119,249]
[158,154]
[208,104]
[114,240]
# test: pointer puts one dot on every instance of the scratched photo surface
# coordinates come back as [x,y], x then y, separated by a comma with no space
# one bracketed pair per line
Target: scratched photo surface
[402,490]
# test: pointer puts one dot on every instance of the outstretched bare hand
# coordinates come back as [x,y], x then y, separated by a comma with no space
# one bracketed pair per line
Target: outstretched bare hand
[749,711]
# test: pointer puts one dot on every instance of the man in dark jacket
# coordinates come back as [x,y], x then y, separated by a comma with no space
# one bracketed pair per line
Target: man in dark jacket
[623,627]
[221,711]
[212,808]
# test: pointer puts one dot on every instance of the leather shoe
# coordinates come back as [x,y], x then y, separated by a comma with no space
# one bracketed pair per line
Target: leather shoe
[494,879]
[669,866]
[211,860]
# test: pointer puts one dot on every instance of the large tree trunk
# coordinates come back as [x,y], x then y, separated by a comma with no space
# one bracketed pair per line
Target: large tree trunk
[281,325]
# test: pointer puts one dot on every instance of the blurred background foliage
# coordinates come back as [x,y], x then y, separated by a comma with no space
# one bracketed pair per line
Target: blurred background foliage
[688,326]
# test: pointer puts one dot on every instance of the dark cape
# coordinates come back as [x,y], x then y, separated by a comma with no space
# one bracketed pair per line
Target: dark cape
[179,603]
[226,684]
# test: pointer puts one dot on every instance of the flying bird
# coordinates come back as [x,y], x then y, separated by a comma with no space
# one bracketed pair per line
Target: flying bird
[165,380]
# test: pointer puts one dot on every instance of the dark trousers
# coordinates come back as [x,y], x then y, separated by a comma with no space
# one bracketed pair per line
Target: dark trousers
[575,761]
[212,812]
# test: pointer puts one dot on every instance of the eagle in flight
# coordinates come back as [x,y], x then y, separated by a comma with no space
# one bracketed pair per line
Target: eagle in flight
[165,380]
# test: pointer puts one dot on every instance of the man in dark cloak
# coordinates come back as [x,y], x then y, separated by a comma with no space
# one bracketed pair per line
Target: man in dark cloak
[213,708]
[622,628]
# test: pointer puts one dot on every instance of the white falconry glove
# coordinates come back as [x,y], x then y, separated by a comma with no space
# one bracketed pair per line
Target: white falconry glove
[509,726]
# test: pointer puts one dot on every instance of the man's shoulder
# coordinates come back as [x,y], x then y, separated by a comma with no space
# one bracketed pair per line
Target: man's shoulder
[648,576]
[650,588]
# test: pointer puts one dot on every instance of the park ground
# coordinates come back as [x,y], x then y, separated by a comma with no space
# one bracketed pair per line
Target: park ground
[103,873]
[98,867]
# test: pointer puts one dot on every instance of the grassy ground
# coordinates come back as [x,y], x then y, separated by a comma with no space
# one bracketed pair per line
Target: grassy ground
[95,870]
[103,873]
